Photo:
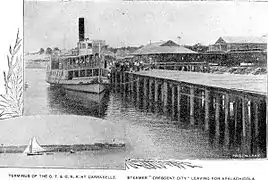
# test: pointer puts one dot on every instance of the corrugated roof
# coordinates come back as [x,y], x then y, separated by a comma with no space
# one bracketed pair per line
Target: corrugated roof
[243,39]
[161,48]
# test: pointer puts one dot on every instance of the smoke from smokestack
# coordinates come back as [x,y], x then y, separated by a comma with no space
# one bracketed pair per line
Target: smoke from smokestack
[81,28]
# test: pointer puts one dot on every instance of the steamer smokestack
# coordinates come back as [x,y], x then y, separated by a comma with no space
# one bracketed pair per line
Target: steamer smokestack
[81,28]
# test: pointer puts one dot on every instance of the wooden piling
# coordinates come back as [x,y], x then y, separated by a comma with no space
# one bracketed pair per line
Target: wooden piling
[155,90]
[192,105]
[150,89]
[121,79]
[145,93]
[207,102]
[217,115]
[130,82]
[179,102]
[256,126]
[226,119]
[244,116]
[246,132]
[138,89]
[115,78]
[165,94]
[173,101]
[235,118]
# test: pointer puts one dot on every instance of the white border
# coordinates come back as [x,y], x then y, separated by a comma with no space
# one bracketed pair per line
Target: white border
[12,20]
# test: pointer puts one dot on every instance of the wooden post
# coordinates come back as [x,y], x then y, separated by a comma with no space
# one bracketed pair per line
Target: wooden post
[126,81]
[155,91]
[164,93]
[207,99]
[245,126]
[134,89]
[138,89]
[256,127]
[145,93]
[111,76]
[150,89]
[130,82]
[235,108]
[245,117]
[249,126]
[179,102]
[115,79]
[173,101]
[121,80]
[226,119]
[192,105]
[217,114]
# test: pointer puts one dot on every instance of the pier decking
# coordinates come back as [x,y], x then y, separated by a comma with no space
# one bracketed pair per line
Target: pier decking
[246,83]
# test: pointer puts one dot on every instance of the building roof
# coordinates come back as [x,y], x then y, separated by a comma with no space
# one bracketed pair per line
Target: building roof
[166,47]
[242,39]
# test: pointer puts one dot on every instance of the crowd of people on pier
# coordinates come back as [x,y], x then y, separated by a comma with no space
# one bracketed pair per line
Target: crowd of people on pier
[131,66]
[134,65]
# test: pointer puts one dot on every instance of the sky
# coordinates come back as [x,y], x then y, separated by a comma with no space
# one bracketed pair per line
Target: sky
[135,23]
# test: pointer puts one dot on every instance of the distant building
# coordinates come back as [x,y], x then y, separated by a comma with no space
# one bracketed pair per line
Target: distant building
[166,51]
[230,44]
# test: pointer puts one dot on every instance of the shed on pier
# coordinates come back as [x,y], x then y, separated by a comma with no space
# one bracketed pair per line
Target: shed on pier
[165,51]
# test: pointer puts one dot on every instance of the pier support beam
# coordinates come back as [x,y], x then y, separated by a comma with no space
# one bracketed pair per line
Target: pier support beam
[173,101]
[179,102]
[127,81]
[217,115]
[256,126]
[155,91]
[131,82]
[111,77]
[165,94]
[192,105]
[245,116]
[138,89]
[226,119]
[150,89]
[121,80]
[114,78]
[207,102]
[235,117]
[123,85]
[246,133]
[145,93]
[145,88]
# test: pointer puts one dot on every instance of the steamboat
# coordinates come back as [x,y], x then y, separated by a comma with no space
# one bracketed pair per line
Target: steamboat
[84,69]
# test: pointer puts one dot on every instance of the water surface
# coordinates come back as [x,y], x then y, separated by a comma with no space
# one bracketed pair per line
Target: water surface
[148,133]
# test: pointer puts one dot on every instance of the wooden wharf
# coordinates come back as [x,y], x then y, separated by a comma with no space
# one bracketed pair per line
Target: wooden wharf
[231,106]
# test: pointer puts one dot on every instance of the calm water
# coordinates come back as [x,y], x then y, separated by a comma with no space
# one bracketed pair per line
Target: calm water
[149,134]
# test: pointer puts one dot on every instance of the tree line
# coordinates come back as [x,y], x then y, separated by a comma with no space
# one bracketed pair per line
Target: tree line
[48,50]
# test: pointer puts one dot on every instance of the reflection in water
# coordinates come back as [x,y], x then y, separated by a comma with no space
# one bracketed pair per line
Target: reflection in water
[78,103]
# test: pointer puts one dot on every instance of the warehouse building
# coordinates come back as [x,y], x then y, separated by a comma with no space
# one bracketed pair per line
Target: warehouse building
[231,44]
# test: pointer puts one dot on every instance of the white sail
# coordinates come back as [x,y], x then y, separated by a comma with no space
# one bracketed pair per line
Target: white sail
[27,150]
[33,147]
[36,146]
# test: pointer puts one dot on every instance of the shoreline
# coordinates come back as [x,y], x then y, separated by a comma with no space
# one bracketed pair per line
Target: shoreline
[65,148]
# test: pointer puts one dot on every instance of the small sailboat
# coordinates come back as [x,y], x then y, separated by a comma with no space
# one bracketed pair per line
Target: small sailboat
[34,148]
